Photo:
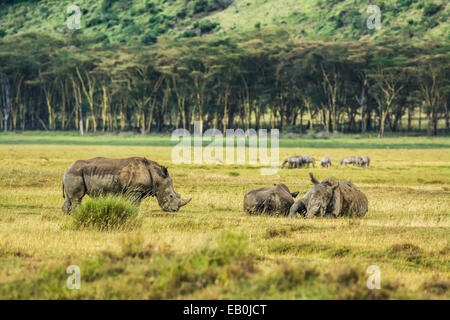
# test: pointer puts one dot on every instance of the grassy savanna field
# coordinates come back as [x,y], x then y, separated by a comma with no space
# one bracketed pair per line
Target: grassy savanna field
[210,248]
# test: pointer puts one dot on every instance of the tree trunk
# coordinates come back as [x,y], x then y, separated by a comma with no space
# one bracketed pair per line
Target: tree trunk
[105,107]
[446,117]
[6,102]
[361,103]
[420,117]
[410,112]
[435,124]
[382,121]
[428,124]
[80,115]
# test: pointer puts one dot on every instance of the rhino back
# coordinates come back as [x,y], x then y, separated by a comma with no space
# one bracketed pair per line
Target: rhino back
[107,175]
[354,202]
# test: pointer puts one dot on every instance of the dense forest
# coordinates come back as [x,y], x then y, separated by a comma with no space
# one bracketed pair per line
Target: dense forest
[262,78]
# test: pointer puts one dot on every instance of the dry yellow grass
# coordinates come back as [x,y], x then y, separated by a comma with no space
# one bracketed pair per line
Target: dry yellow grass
[406,231]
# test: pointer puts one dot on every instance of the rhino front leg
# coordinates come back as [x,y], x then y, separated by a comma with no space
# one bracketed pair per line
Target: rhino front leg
[74,191]
[67,206]
[135,197]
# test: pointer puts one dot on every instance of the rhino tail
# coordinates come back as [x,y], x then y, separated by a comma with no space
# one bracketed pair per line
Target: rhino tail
[64,196]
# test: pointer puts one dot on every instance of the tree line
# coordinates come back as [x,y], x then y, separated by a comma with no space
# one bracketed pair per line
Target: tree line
[257,80]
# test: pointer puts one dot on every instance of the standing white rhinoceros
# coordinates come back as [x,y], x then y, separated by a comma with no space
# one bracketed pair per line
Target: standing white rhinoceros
[136,178]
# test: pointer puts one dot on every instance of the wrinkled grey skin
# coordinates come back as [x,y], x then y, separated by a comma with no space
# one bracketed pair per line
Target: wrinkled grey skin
[326,162]
[331,198]
[269,200]
[136,178]
[294,162]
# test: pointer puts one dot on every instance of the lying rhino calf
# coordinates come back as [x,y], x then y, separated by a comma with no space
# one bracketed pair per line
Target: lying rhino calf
[135,178]
[331,198]
[269,200]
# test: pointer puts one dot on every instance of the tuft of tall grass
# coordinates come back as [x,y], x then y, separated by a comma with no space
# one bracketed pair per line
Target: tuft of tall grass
[107,213]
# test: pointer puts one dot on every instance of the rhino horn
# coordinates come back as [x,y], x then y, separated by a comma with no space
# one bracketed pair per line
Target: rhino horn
[184,202]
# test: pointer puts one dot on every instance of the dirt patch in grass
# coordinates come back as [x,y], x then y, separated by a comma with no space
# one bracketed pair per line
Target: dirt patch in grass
[405,248]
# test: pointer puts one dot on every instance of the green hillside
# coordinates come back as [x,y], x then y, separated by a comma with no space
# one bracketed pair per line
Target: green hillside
[113,21]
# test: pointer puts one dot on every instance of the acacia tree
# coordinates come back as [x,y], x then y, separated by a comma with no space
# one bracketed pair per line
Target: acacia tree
[431,73]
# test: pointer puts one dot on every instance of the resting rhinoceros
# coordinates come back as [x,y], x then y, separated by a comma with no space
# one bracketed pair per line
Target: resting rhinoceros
[331,198]
[135,178]
[269,200]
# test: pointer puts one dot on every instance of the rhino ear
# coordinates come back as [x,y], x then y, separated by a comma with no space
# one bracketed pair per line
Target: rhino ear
[165,172]
[294,194]
[313,179]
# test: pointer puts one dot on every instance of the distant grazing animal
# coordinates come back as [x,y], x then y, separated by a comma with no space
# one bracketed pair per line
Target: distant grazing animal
[350,160]
[326,162]
[307,160]
[365,161]
[356,161]
[135,178]
[294,162]
[269,200]
[331,198]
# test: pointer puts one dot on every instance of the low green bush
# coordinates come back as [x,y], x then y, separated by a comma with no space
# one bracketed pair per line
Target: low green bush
[107,213]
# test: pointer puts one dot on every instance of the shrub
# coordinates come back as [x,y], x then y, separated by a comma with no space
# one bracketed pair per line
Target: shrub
[149,38]
[189,34]
[430,9]
[207,26]
[107,213]
[182,13]
[200,6]
[406,3]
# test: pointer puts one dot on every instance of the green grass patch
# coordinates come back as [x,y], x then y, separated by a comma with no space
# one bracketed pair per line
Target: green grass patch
[107,213]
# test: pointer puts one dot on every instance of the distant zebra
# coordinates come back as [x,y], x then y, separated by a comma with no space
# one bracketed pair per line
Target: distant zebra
[365,162]
[350,160]
[326,162]
[356,161]
[307,160]
[294,162]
